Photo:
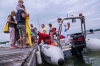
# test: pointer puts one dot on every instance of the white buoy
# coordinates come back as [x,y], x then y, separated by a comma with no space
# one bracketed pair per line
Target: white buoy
[38,54]
[93,44]
[39,60]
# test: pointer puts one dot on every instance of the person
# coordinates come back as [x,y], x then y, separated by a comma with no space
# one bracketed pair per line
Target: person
[43,29]
[45,37]
[20,17]
[32,29]
[65,26]
[33,33]
[90,32]
[12,24]
[52,29]
[16,35]
[19,5]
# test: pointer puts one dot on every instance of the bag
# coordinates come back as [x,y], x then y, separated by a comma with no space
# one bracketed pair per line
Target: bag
[6,28]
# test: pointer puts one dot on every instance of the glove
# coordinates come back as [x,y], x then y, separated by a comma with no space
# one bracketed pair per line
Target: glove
[65,30]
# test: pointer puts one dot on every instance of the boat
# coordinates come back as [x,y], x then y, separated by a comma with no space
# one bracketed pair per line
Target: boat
[93,44]
[52,54]
[78,41]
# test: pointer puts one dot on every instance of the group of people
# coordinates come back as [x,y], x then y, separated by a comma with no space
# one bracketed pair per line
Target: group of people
[46,38]
[17,27]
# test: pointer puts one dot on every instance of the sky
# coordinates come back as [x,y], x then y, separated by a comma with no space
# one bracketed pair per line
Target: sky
[47,11]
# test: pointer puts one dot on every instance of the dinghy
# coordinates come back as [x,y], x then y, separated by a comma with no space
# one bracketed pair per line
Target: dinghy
[93,44]
[52,54]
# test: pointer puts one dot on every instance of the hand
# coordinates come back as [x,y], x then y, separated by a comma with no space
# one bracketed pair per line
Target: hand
[27,15]
[15,22]
[67,29]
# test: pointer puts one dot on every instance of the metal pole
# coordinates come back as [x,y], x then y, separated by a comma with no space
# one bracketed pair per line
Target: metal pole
[51,34]
[84,27]
[39,24]
[81,27]
[59,32]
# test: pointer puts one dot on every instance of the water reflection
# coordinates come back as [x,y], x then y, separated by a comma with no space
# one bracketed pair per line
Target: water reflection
[80,62]
[76,62]
[91,59]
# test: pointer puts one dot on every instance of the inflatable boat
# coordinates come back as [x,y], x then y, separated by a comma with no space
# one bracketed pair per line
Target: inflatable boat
[93,44]
[52,54]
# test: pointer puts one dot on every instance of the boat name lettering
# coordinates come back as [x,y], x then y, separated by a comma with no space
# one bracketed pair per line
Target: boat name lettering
[46,47]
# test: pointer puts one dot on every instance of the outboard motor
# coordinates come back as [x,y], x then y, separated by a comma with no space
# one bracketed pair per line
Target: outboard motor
[78,44]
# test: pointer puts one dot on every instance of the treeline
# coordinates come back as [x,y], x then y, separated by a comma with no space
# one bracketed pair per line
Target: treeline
[97,30]
[4,42]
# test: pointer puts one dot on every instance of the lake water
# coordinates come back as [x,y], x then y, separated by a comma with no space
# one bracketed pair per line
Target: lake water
[90,58]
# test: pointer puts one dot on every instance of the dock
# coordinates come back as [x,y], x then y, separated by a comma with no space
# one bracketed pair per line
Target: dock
[17,57]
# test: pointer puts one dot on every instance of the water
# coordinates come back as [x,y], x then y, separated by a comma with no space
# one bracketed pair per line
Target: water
[95,35]
[90,58]
[5,45]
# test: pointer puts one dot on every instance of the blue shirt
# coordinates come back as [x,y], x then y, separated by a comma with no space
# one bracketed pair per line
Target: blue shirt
[19,18]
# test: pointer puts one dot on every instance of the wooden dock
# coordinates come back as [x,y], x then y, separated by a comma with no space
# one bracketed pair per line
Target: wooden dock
[17,57]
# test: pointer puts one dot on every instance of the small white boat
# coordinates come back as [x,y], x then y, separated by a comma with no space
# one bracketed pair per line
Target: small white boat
[52,54]
[5,45]
[93,44]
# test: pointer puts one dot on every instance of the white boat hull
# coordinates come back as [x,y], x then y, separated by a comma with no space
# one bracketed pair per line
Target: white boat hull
[52,54]
[93,44]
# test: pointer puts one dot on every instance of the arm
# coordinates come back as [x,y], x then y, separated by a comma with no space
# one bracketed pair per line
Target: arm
[24,15]
[68,25]
[40,39]
[9,20]
[44,31]
[89,33]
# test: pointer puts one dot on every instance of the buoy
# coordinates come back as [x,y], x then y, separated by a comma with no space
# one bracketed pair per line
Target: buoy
[93,44]
[39,59]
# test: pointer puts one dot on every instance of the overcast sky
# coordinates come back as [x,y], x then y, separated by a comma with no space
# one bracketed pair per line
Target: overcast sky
[47,11]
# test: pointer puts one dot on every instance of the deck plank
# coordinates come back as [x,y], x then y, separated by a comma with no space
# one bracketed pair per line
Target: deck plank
[13,57]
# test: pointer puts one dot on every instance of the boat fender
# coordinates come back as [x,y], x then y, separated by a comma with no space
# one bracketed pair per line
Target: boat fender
[39,59]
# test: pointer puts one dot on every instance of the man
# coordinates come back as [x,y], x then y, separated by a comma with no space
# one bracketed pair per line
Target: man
[43,29]
[12,26]
[21,15]
[65,26]
[45,37]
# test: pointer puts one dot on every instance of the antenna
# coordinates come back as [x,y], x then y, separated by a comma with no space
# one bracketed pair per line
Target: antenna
[66,10]
[39,24]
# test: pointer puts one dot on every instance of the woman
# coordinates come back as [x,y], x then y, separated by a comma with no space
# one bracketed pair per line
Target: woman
[32,29]
[43,29]
[12,26]
[52,29]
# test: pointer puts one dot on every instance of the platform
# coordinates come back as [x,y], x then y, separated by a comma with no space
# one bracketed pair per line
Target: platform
[16,57]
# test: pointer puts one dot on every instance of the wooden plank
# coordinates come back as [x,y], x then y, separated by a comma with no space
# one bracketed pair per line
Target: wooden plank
[13,57]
